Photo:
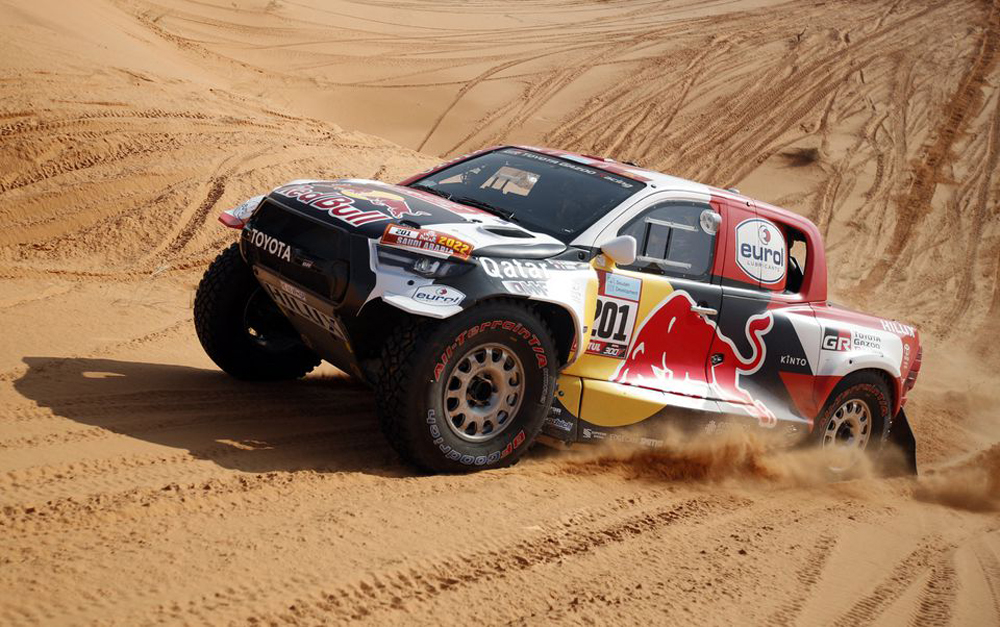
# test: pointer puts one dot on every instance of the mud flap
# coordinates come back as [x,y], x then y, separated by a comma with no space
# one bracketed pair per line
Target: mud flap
[560,424]
[899,453]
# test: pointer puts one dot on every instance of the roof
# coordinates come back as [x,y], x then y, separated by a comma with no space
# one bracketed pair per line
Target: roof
[668,182]
[655,179]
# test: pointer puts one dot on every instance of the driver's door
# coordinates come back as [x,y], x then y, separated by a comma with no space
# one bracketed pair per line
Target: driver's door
[655,319]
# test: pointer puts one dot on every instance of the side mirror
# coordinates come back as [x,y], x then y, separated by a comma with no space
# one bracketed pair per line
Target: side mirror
[621,250]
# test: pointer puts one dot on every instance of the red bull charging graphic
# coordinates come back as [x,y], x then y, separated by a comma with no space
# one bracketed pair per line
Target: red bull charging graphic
[667,353]
[339,202]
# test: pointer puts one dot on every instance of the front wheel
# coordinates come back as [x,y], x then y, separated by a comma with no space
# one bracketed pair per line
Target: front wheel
[469,393]
[852,420]
[241,328]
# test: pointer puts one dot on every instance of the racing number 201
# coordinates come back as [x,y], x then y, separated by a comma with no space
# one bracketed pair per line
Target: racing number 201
[610,315]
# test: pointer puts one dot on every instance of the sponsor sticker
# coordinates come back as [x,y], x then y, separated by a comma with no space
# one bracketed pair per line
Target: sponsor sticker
[268,243]
[614,436]
[760,250]
[618,286]
[836,340]
[333,202]
[426,241]
[338,201]
[793,360]
[517,269]
[899,328]
[305,310]
[845,340]
[438,295]
[527,288]
[559,423]
[617,310]
[293,290]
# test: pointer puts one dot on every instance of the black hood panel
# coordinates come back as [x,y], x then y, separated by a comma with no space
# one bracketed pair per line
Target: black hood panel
[366,207]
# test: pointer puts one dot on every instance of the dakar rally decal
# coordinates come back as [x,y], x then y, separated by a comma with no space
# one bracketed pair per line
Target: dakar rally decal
[760,250]
[617,308]
[338,201]
[667,352]
[425,241]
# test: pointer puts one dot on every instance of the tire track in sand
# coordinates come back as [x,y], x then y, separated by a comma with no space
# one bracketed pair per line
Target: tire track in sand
[937,598]
[867,610]
[954,119]
[574,537]
[807,576]
[110,476]
[990,565]
[979,184]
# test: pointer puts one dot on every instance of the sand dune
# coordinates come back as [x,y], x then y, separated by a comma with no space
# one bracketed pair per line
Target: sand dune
[140,485]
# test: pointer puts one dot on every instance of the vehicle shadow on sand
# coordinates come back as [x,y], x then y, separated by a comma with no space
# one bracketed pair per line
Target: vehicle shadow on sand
[324,423]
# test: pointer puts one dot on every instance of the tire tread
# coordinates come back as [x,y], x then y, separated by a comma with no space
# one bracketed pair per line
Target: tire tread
[397,381]
[239,358]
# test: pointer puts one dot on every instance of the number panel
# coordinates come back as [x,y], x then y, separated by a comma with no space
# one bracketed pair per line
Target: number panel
[617,309]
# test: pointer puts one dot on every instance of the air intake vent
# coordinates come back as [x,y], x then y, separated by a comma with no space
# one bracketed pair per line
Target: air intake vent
[507,231]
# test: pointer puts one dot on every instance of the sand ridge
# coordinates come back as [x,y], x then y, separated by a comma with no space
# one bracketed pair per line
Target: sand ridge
[139,485]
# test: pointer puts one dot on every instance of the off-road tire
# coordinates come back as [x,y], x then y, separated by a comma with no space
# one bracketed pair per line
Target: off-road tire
[220,319]
[419,357]
[873,391]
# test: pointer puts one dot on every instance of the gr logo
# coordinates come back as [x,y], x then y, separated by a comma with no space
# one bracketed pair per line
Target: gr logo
[836,340]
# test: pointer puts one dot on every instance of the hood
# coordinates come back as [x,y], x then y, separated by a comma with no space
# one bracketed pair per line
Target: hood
[369,207]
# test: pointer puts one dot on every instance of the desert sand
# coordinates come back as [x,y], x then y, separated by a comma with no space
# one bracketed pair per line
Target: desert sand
[140,485]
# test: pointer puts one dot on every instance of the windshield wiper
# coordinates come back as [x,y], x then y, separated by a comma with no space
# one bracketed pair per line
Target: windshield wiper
[431,190]
[506,214]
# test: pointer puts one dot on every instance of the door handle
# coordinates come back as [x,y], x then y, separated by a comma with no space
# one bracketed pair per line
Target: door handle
[705,311]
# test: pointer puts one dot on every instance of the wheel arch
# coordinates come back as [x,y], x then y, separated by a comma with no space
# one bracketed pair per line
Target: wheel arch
[559,319]
[560,322]
[892,383]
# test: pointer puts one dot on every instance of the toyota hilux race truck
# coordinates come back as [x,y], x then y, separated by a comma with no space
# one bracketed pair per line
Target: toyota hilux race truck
[519,291]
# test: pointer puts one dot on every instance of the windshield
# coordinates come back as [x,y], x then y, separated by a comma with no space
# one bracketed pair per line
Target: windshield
[541,193]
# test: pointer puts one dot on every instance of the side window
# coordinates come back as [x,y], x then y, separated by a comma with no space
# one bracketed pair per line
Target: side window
[797,260]
[671,240]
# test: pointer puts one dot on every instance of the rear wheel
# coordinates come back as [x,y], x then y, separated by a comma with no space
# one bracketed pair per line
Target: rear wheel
[851,422]
[468,393]
[241,328]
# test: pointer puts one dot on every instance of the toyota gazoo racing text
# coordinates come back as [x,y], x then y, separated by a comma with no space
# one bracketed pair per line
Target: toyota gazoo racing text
[520,292]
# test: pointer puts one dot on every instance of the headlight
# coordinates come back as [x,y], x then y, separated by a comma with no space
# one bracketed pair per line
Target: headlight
[247,207]
[237,217]
[423,265]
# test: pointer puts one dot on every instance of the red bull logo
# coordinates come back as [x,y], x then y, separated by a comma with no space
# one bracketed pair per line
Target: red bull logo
[668,353]
[394,203]
[338,202]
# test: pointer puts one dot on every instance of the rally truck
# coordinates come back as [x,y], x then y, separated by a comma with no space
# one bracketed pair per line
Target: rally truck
[519,292]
